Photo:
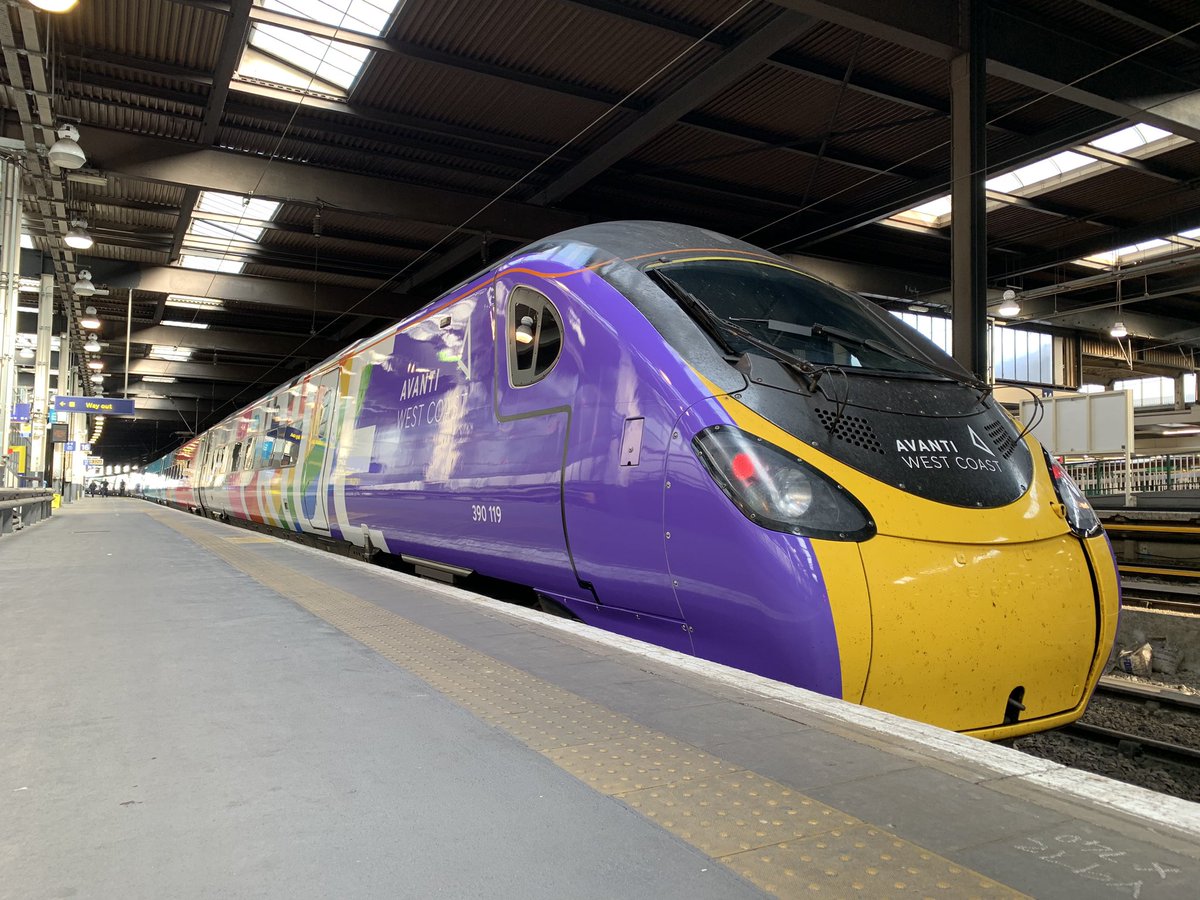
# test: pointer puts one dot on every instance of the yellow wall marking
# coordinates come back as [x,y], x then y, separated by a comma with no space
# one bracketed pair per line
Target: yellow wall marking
[784,842]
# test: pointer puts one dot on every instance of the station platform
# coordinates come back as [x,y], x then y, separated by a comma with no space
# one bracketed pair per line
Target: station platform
[193,709]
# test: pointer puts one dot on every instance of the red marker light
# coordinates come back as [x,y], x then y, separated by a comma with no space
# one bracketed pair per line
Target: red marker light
[743,467]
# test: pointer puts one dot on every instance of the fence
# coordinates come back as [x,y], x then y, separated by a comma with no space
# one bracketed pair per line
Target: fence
[1098,477]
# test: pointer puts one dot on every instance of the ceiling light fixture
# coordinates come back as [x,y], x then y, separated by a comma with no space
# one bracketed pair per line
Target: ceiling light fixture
[192,302]
[26,353]
[77,238]
[83,286]
[66,152]
[98,378]
[90,320]
[1009,306]
[54,6]
[92,345]
[1118,330]
[95,365]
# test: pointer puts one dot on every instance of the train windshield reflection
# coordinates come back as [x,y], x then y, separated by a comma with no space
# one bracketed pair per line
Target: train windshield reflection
[805,318]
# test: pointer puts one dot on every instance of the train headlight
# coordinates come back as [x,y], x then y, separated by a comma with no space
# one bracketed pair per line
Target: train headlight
[779,491]
[795,494]
[1080,515]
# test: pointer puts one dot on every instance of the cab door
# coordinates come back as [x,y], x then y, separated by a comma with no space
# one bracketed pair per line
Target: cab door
[535,382]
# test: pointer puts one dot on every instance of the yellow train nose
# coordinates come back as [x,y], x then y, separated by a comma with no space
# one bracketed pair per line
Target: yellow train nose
[960,630]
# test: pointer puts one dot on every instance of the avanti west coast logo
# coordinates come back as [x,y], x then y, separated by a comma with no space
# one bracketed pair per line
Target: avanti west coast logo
[944,453]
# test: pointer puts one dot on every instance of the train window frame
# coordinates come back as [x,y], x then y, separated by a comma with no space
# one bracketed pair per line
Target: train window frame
[537,305]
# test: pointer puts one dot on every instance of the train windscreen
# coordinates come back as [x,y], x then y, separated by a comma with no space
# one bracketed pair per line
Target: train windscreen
[809,319]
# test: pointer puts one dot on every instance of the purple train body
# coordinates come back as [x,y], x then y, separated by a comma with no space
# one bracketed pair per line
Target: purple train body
[676,436]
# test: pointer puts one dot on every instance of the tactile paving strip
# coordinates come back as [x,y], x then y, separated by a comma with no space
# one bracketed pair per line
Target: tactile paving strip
[784,842]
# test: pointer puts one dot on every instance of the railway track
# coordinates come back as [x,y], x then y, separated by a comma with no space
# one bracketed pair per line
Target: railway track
[1142,734]
[1147,594]
[1130,744]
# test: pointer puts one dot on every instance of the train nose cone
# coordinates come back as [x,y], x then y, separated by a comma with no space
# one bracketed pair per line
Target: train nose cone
[959,628]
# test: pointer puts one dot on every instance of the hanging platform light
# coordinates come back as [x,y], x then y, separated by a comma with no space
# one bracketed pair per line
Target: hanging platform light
[1118,330]
[84,288]
[1009,306]
[90,320]
[66,152]
[55,6]
[77,238]
[92,345]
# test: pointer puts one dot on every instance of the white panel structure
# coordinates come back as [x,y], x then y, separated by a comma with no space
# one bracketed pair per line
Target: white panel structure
[1084,424]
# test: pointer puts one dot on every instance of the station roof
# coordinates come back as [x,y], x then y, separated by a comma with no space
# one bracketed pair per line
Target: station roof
[268,181]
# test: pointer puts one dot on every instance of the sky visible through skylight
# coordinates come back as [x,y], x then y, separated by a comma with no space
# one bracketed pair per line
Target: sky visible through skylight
[217,235]
[335,62]
[1041,174]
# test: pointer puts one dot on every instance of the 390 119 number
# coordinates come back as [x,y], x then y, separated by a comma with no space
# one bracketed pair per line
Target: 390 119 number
[486,514]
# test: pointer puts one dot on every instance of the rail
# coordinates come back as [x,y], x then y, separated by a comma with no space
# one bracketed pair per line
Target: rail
[21,507]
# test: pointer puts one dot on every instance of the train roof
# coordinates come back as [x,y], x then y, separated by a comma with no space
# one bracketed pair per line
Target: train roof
[635,238]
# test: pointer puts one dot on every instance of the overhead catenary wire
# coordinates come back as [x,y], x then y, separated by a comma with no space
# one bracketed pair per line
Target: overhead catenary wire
[948,183]
[392,279]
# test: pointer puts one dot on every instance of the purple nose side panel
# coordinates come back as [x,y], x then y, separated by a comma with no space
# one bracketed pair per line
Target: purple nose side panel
[755,598]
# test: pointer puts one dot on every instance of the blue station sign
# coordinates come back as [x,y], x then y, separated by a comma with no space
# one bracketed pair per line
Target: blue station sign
[102,406]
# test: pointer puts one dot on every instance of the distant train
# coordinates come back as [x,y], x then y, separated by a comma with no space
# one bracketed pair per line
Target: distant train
[674,435]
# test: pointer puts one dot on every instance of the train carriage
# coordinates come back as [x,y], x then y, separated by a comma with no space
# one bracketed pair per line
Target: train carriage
[677,436]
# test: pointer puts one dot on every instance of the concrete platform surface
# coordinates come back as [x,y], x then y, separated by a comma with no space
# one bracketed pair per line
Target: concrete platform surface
[191,709]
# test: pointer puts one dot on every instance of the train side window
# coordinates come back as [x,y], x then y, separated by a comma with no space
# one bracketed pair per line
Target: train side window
[534,336]
[237,457]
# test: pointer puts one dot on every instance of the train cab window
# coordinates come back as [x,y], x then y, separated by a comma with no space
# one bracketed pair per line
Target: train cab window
[534,336]
[782,307]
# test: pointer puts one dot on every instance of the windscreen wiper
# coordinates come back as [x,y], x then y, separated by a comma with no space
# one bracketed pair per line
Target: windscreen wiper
[714,325]
[853,340]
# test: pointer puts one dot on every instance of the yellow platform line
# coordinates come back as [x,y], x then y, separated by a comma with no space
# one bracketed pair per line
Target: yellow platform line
[1153,529]
[784,842]
[1151,570]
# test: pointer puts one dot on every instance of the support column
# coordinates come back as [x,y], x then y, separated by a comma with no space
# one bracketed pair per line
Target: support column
[39,418]
[10,268]
[968,171]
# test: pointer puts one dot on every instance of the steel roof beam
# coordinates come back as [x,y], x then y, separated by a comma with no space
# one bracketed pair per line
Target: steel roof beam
[237,25]
[1092,76]
[257,343]
[217,393]
[260,15]
[1146,231]
[270,292]
[1136,14]
[173,162]
[869,85]
[734,64]
[1017,51]
[228,372]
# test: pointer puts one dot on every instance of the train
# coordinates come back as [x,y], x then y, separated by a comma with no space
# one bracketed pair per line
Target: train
[674,435]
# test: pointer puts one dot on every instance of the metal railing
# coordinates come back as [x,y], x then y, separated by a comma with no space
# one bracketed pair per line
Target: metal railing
[21,507]
[1146,474]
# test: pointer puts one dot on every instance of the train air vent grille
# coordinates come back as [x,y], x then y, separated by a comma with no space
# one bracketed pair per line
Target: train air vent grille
[851,429]
[1004,441]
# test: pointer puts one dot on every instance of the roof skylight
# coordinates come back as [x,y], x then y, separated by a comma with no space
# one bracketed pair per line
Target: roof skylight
[218,222]
[1139,141]
[293,59]
[1135,253]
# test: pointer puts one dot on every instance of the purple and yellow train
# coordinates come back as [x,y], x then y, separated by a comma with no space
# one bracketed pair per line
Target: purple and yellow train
[676,436]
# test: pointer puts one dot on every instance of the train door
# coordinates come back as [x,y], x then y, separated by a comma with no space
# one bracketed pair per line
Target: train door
[534,388]
[315,456]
